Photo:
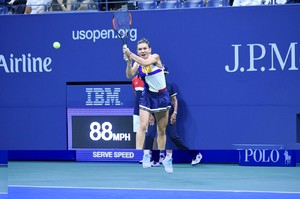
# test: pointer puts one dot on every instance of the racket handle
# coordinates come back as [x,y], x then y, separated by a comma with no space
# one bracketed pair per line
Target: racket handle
[124,55]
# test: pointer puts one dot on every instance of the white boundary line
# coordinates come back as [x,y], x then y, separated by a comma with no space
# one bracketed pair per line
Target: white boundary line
[151,189]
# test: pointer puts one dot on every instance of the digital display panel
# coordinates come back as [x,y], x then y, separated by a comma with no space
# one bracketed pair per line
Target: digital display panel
[100,129]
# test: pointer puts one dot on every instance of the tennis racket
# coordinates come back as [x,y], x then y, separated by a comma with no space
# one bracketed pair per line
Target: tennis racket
[121,22]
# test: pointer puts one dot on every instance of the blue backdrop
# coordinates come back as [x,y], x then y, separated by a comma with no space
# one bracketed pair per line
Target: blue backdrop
[236,68]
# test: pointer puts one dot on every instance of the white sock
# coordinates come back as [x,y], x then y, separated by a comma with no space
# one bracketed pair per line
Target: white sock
[146,152]
[169,154]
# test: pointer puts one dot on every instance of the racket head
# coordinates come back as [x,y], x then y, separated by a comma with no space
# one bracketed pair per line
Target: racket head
[121,22]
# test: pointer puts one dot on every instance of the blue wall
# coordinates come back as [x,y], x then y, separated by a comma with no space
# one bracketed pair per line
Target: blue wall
[254,100]
[3,157]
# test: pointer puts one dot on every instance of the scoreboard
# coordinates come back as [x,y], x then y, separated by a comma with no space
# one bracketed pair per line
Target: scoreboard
[100,126]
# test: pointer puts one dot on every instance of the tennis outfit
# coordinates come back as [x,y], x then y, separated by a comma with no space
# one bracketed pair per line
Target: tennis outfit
[155,97]
[138,87]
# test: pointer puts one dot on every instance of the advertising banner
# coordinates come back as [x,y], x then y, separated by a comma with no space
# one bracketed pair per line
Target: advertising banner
[267,157]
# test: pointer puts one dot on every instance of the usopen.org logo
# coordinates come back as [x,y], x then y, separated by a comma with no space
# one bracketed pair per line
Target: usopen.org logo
[103,97]
[259,57]
[102,34]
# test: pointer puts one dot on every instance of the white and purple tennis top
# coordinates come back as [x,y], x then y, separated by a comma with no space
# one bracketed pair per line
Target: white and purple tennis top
[153,77]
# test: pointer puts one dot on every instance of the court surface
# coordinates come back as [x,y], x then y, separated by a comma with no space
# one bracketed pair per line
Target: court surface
[45,180]
[3,179]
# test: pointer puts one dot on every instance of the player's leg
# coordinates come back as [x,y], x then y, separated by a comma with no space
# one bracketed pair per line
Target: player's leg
[167,162]
[150,136]
[140,135]
[162,121]
[146,159]
[150,144]
[175,138]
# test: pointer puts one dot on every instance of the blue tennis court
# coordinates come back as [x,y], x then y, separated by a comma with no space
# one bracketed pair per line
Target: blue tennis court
[87,192]
[128,180]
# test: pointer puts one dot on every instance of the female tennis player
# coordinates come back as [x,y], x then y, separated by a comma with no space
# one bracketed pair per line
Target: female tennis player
[155,98]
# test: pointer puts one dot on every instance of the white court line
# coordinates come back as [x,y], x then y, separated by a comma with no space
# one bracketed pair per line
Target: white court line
[151,189]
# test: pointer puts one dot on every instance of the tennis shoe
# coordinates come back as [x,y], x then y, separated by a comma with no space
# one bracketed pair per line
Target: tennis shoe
[197,160]
[146,161]
[167,162]
[161,158]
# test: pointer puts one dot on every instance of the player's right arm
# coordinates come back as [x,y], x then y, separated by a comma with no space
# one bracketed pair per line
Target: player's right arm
[131,71]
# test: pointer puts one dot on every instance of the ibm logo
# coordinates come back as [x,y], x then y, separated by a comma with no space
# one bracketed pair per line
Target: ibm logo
[103,97]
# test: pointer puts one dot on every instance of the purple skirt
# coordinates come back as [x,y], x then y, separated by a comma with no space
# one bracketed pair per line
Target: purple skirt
[155,102]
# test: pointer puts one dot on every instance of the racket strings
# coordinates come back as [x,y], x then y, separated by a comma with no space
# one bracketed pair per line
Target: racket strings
[122,21]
